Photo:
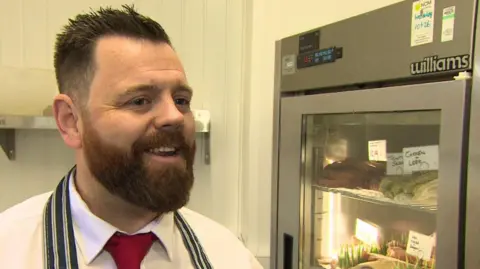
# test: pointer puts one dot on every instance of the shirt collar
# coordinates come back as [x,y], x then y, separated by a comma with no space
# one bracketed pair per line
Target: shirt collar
[92,233]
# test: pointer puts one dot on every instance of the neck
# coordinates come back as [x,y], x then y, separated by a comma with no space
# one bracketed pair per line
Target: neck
[110,208]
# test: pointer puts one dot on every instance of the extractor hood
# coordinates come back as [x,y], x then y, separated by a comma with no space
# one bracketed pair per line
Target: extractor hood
[10,123]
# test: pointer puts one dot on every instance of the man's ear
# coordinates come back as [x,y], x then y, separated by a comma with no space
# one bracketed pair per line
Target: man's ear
[67,118]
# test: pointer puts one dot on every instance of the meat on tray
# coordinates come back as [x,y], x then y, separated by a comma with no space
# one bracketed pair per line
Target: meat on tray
[352,174]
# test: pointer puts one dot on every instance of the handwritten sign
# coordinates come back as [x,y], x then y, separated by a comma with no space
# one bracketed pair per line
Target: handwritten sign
[394,163]
[420,159]
[420,245]
[377,150]
[422,22]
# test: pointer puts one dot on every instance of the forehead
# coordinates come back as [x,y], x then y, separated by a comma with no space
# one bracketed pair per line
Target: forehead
[122,63]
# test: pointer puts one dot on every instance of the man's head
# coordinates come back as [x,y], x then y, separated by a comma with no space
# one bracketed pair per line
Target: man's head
[124,105]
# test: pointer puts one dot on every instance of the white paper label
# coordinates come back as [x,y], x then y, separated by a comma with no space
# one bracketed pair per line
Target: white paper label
[338,150]
[366,232]
[422,22]
[394,163]
[448,23]
[377,150]
[420,159]
[420,245]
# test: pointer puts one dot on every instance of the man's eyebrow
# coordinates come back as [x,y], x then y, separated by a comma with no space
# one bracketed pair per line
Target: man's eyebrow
[143,88]
[154,89]
[182,88]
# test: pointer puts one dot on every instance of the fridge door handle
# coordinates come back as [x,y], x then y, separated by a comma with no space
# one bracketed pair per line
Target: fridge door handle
[287,251]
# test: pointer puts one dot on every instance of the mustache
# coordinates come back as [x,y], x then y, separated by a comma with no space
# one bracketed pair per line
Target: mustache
[169,137]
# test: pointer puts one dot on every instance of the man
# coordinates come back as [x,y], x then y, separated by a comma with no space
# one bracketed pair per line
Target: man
[124,107]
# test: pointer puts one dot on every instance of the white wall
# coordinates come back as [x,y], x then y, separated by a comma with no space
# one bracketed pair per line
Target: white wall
[209,38]
[273,20]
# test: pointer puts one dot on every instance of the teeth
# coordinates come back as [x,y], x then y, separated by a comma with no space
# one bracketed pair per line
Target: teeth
[163,150]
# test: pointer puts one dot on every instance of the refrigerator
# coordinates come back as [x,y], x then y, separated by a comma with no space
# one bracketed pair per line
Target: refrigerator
[376,162]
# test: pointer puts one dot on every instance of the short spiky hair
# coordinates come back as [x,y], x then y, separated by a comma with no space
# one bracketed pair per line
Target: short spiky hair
[74,48]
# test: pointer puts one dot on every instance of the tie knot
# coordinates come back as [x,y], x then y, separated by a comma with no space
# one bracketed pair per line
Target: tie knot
[128,251]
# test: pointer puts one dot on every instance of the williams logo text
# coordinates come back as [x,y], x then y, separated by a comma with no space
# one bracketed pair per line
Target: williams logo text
[434,64]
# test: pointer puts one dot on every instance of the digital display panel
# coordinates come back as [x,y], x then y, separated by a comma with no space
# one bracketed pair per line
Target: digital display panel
[319,57]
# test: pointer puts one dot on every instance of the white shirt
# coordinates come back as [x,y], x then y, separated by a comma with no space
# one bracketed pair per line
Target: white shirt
[21,239]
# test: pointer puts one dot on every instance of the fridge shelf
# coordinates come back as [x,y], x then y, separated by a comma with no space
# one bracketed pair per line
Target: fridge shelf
[377,198]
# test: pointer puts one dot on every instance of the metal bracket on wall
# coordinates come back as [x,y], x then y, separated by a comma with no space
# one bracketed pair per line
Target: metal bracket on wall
[7,142]
[10,123]
[206,148]
[202,126]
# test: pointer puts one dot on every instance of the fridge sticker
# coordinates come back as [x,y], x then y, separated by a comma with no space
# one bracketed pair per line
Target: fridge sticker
[448,23]
[395,163]
[377,150]
[420,159]
[288,64]
[420,245]
[422,22]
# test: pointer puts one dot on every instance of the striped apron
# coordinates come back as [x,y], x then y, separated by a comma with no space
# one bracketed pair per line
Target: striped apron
[60,251]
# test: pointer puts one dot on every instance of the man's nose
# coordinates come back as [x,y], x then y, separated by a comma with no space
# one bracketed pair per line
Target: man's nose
[168,114]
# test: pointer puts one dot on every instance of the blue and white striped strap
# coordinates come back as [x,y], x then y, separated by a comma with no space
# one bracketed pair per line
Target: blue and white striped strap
[197,254]
[59,241]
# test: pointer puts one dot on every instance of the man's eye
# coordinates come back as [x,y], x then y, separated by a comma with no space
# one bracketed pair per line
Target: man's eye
[182,102]
[140,101]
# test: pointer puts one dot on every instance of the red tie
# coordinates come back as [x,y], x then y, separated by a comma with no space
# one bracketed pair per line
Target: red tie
[128,251]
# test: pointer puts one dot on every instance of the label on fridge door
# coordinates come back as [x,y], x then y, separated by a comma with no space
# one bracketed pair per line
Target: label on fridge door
[420,245]
[448,23]
[422,22]
[420,159]
[395,163]
[377,150]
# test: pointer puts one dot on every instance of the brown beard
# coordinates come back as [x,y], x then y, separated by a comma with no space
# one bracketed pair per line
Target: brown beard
[126,175]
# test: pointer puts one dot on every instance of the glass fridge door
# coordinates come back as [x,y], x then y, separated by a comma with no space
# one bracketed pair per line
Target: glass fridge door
[374,183]
[378,178]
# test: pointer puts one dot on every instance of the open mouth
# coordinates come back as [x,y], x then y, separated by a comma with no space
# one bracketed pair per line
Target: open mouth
[164,151]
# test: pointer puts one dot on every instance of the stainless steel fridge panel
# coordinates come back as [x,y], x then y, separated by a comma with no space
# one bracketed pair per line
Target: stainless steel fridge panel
[275,157]
[472,232]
